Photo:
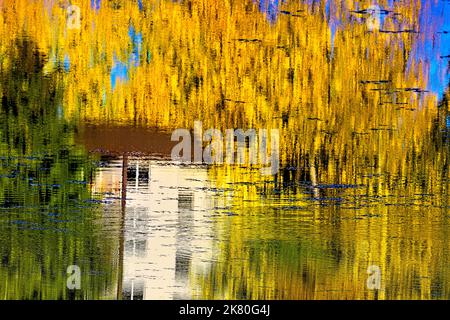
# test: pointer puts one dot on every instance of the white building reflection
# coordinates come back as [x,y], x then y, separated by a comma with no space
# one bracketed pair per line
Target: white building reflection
[167,234]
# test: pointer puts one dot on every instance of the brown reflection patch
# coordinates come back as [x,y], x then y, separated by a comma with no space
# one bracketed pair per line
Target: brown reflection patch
[119,140]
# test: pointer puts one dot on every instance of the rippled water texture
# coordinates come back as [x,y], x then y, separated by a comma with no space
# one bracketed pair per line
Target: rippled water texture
[87,111]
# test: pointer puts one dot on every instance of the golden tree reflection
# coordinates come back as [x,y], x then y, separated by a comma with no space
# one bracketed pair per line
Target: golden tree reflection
[351,105]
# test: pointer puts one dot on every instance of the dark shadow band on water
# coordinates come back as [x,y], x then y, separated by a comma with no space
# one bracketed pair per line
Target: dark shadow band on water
[117,140]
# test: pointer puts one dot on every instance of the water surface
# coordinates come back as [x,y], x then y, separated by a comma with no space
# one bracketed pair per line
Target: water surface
[86,177]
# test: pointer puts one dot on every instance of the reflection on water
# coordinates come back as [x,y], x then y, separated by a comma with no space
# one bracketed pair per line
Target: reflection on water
[48,217]
[167,233]
[85,180]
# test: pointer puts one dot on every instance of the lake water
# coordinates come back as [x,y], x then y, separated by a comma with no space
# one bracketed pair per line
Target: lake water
[86,178]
